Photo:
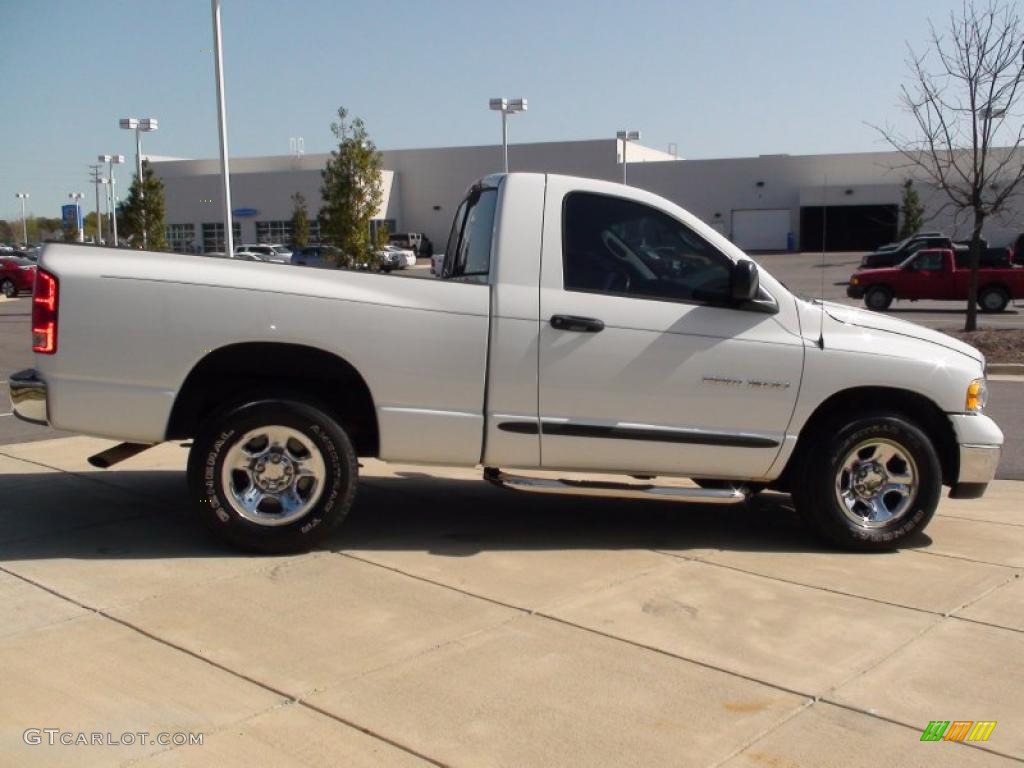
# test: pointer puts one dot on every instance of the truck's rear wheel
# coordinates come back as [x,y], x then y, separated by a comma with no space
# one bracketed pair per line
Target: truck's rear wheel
[878,298]
[868,484]
[993,299]
[273,476]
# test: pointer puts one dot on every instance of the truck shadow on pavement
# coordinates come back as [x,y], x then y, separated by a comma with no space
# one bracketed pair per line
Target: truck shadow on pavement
[147,514]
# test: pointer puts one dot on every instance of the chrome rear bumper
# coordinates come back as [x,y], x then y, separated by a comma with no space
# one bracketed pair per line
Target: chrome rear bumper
[28,397]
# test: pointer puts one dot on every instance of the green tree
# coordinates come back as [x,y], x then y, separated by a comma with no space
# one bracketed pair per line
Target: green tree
[141,218]
[351,191]
[911,210]
[90,225]
[7,231]
[300,222]
[41,228]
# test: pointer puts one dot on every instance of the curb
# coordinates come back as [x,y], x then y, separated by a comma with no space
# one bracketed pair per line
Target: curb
[1003,368]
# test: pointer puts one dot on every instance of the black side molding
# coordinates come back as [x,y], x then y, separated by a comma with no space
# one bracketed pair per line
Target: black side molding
[684,436]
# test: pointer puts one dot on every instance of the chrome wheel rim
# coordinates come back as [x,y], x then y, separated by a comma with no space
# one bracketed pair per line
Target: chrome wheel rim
[876,483]
[273,475]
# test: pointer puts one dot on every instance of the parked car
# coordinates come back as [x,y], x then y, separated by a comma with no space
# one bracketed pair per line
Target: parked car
[268,252]
[323,256]
[937,274]
[560,345]
[918,236]
[414,241]
[406,256]
[17,275]
[246,255]
[390,258]
[894,253]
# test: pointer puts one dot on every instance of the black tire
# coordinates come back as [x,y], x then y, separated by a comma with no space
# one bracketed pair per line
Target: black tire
[818,476]
[993,299]
[319,435]
[9,289]
[878,298]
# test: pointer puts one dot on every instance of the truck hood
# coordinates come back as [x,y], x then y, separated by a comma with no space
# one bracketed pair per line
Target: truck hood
[876,321]
[876,272]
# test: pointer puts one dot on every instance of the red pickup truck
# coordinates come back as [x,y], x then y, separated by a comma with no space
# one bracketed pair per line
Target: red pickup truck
[936,274]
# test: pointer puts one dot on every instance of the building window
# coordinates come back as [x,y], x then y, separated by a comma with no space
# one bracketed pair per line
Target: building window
[213,235]
[181,238]
[376,225]
[274,231]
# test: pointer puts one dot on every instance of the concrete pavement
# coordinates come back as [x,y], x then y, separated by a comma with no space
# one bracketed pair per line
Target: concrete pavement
[451,623]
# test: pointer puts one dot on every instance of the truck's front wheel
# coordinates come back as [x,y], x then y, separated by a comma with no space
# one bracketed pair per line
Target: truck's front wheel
[878,297]
[870,483]
[273,476]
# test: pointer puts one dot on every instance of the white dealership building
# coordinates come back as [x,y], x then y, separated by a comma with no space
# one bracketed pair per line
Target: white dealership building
[765,203]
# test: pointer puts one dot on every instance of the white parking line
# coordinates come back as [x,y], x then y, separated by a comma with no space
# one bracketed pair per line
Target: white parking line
[5,414]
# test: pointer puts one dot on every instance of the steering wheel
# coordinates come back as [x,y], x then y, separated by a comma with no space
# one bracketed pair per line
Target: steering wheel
[615,246]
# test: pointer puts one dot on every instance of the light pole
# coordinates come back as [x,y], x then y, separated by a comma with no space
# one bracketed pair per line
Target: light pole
[77,197]
[106,199]
[23,196]
[507,107]
[222,120]
[139,125]
[625,137]
[95,169]
[111,160]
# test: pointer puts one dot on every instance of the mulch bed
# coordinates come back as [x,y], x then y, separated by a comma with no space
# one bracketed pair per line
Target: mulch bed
[998,346]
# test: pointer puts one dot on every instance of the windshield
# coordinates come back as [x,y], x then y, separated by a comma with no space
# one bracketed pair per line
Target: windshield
[279,249]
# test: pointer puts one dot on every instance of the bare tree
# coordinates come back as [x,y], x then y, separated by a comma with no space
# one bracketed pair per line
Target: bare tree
[968,135]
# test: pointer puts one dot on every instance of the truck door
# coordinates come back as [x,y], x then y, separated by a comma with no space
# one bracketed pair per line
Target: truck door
[930,276]
[644,364]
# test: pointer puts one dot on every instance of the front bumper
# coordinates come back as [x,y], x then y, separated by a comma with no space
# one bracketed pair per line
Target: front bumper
[28,397]
[855,291]
[980,447]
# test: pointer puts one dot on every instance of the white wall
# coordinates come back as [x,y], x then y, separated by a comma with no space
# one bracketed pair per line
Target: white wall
[423,186]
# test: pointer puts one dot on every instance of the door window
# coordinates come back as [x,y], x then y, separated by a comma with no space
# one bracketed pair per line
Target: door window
[469,246]
[621,247]
[929,261]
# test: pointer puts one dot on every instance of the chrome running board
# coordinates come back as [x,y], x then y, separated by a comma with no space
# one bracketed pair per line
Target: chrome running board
[606,489]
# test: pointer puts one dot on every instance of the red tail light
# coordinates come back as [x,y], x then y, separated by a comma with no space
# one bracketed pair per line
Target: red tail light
[44,313]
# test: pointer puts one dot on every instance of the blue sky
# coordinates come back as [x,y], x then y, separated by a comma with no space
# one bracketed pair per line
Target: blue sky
[720,78]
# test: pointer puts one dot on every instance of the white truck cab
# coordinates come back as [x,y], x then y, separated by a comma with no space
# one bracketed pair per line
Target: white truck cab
[578,326]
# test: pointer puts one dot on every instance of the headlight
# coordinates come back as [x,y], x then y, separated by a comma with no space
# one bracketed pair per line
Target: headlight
[977,395]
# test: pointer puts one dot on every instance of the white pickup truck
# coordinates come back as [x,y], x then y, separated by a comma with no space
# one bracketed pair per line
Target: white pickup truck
[579,326]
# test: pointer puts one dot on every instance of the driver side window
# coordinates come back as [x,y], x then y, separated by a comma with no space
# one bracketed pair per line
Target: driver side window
[929,261]
[621,247]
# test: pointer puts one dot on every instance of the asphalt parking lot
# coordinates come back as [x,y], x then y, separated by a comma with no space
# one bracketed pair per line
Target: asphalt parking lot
[452,623]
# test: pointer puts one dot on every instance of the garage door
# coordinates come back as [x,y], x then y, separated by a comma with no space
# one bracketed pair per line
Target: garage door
[761,230]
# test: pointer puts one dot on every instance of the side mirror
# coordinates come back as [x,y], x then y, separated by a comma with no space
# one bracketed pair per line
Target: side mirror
[744,284]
